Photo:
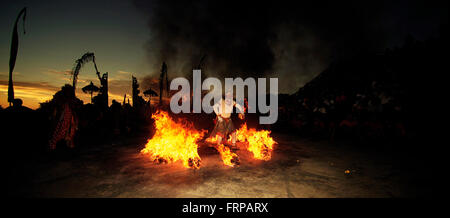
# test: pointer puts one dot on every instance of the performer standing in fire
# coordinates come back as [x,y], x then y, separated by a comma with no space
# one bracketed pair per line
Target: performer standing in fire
[224,125]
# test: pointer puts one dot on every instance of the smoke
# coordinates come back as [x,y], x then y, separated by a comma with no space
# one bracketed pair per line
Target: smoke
[149,82]
[291,40]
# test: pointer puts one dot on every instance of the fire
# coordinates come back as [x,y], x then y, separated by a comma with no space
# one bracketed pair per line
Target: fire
[259,142]
[173,141]
[177,141]
[212,140]
[229,158]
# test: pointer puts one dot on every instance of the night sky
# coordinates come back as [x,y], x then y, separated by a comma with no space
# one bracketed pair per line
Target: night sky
[291,41]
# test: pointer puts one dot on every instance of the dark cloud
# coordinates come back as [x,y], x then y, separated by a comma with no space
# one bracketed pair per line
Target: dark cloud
[292,40]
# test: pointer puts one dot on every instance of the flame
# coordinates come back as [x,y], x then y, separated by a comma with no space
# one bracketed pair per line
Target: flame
[228,157]
[212,140]
[173,141]
[259,142]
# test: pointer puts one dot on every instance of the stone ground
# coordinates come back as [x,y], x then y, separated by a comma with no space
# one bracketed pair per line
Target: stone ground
[299,168]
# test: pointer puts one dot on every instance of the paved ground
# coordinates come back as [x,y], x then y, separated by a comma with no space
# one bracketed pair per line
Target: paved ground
[299,168]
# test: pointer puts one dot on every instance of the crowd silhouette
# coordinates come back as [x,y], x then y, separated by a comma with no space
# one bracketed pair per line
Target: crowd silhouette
[371,97]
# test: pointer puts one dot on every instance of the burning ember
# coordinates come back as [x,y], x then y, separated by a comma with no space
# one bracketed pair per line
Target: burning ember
[259,142]
[229,158]
[173,141]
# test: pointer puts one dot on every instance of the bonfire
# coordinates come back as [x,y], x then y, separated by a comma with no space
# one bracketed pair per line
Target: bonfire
[229,158]
[177,141]
[259,142]
[173,141]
